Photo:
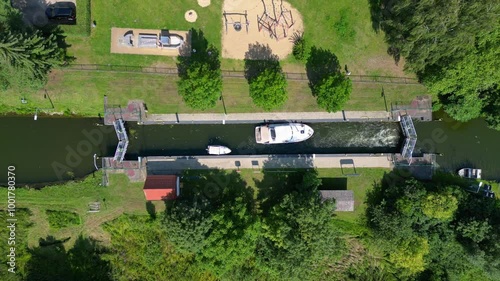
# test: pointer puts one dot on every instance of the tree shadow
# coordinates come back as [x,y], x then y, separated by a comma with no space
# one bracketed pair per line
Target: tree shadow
[213,188]
[259,58]
[320,64]
[151,209]
[281,177]
[376,13]
[198,51]
[51,261]
[395,53]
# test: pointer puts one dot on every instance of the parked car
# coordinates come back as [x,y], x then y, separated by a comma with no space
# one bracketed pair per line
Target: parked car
[62,12]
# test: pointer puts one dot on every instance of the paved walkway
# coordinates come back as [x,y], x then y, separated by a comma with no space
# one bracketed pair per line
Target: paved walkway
[238,118]
[159,165]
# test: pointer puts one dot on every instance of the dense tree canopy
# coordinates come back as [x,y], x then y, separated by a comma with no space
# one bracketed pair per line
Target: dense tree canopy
[297,233]
[215,222]
[435,231]
[453,46]
[432,33]
[470,85]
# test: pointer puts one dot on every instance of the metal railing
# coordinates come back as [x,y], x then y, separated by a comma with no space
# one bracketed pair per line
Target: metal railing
[298,76]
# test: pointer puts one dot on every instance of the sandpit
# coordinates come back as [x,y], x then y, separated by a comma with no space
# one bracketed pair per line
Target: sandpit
[283,19]
[190,16]
[204,3]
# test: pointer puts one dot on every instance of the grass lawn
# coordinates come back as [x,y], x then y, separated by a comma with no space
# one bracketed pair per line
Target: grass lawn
[120,197]
[144,14]
[160,93]
[344,27]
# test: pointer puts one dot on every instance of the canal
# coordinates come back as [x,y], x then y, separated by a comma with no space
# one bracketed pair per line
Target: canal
[53,149]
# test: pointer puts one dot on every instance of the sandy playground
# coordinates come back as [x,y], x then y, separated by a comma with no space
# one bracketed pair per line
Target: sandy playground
[280,21]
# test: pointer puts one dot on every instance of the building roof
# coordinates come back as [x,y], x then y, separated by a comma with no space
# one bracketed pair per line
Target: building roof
[344,199]
[161,187]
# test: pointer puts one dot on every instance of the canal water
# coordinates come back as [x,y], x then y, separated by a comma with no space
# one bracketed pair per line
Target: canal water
[461,145]
[173,140]
[57,149]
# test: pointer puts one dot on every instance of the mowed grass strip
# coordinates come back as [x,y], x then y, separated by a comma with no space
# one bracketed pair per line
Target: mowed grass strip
[82,93]
[345,28]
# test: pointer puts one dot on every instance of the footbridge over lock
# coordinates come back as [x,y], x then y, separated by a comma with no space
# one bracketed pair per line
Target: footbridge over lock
[121,133]
[411,137]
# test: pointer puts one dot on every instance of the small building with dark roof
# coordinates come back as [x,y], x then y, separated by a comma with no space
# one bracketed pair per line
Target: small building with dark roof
[161,187]
[344,199]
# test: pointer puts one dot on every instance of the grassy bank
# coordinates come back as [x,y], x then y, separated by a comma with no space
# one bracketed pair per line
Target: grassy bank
[121,196]
[344,27]
[82,93]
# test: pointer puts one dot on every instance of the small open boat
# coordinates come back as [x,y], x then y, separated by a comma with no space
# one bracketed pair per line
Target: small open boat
[218,150]
[470,173]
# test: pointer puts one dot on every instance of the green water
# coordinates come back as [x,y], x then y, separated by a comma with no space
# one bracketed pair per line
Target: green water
[55,149]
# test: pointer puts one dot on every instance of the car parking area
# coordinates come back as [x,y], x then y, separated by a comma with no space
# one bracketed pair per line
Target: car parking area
[33,11]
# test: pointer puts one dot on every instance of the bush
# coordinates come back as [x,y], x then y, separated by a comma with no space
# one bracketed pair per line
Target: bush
[299,46]
[344,27]
[60,219]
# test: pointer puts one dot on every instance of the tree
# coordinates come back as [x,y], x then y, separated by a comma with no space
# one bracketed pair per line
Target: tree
[27,54]
[434,230]
[200,83]
[330,87]
[299,46]
[266,80]
[297,233]
[268,89]
[201,88]
[453,47]
[215,222]
[467,87]
[333,92]
[140,250]
[409,255]
[439,206]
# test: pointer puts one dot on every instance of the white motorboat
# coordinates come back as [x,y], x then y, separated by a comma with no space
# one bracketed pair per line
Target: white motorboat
[218,150]
[282,133]
[470,173]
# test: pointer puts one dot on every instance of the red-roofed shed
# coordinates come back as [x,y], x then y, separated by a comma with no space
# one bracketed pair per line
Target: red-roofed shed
[161,187]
